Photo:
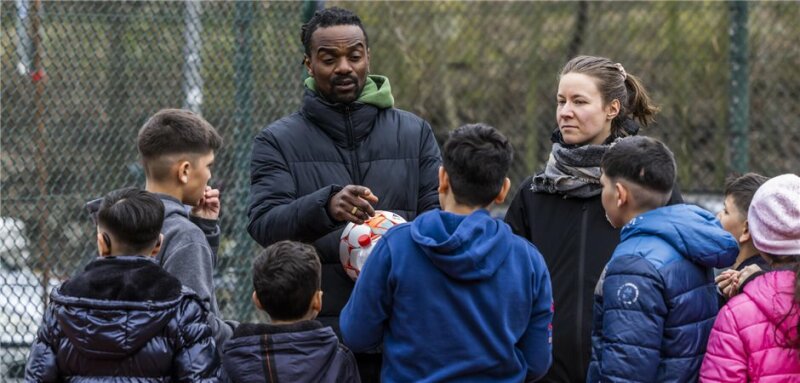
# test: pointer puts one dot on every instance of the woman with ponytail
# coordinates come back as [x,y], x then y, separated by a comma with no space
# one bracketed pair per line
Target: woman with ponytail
[559,209]
[756,336]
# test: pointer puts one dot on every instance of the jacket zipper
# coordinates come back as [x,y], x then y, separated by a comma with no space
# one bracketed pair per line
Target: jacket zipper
[351,143]
[581,271]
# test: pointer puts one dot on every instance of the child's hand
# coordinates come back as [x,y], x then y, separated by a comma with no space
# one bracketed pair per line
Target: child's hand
[208,207]
[728,282]
[733,287]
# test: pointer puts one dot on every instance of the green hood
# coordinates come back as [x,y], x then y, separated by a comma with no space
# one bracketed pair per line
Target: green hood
[377,91]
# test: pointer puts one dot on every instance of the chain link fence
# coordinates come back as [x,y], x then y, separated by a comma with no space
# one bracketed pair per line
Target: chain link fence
[79,78]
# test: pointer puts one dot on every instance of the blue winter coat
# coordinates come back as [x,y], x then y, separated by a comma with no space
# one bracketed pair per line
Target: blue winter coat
[656,301]
[299,352]
[124,319]
[453,298]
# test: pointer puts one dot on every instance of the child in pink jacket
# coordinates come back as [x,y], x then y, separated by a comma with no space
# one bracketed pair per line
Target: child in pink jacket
[755,337]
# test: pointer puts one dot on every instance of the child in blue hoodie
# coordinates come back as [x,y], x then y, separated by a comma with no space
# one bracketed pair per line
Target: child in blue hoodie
[656,300]
[454,294]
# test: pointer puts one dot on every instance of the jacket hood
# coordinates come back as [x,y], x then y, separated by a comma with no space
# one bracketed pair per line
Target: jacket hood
[173,206]
[377,91]
[773,294]
[116,305]
[465,247]
[298,350]
[694,232]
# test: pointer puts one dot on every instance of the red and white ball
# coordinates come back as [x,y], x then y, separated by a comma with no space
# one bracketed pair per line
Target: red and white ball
[357,241]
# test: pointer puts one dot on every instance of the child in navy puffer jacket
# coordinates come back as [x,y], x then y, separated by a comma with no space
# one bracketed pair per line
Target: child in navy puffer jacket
[656,300]
[124,318]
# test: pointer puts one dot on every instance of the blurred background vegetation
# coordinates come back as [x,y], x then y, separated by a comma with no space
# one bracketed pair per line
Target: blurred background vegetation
[79,78]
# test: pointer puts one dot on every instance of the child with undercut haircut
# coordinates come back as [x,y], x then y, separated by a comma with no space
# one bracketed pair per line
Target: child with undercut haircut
[177,149]
[293,347]
[124,318]
[656,300]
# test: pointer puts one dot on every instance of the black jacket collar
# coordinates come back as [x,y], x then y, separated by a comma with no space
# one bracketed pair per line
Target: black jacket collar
[334,119]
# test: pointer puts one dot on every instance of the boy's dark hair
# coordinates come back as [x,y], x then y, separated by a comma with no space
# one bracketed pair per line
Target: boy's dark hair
[645,162]
[286,275]
[174,131]
[328,18]
[742,188]
[133,217]
[476,158]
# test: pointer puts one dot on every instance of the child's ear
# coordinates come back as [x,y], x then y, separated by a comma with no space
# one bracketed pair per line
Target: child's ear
[316,302]
[444,181]
[501,197]
[745,233]
[622,194]
[157,248]
[183,171]
[103,244]
[257,302]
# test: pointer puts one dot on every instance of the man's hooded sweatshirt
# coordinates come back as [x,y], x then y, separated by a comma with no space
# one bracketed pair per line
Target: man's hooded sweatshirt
[123,319]
[453,297]
[301,160]
[656,301]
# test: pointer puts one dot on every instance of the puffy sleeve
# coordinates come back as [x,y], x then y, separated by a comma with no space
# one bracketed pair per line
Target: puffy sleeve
[275,211]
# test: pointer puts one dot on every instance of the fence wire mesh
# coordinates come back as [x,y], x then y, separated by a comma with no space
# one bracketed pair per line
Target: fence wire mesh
[79,78]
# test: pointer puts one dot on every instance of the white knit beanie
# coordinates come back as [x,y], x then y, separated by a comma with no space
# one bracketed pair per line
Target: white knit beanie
[774,216]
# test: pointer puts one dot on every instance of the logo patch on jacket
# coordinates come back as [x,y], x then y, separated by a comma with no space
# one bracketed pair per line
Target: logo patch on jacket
[628,294]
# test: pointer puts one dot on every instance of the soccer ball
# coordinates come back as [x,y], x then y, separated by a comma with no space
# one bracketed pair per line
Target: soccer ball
[357,241]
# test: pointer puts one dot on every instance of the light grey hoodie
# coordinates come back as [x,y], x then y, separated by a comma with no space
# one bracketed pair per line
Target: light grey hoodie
[189,252]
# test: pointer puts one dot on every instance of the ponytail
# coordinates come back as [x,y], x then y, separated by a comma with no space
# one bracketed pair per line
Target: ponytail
[640,107]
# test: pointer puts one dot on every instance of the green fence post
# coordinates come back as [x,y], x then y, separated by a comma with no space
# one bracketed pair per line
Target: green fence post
[739,97]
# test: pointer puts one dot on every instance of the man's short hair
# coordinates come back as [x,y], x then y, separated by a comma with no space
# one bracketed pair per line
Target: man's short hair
[286,275]
[329,17]
[174,132]
[742,188]
[476,158]
[133,217]
[644,162]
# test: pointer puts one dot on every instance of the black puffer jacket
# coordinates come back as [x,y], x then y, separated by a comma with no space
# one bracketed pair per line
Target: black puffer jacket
[576,241]
[123,319]
[299,161]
